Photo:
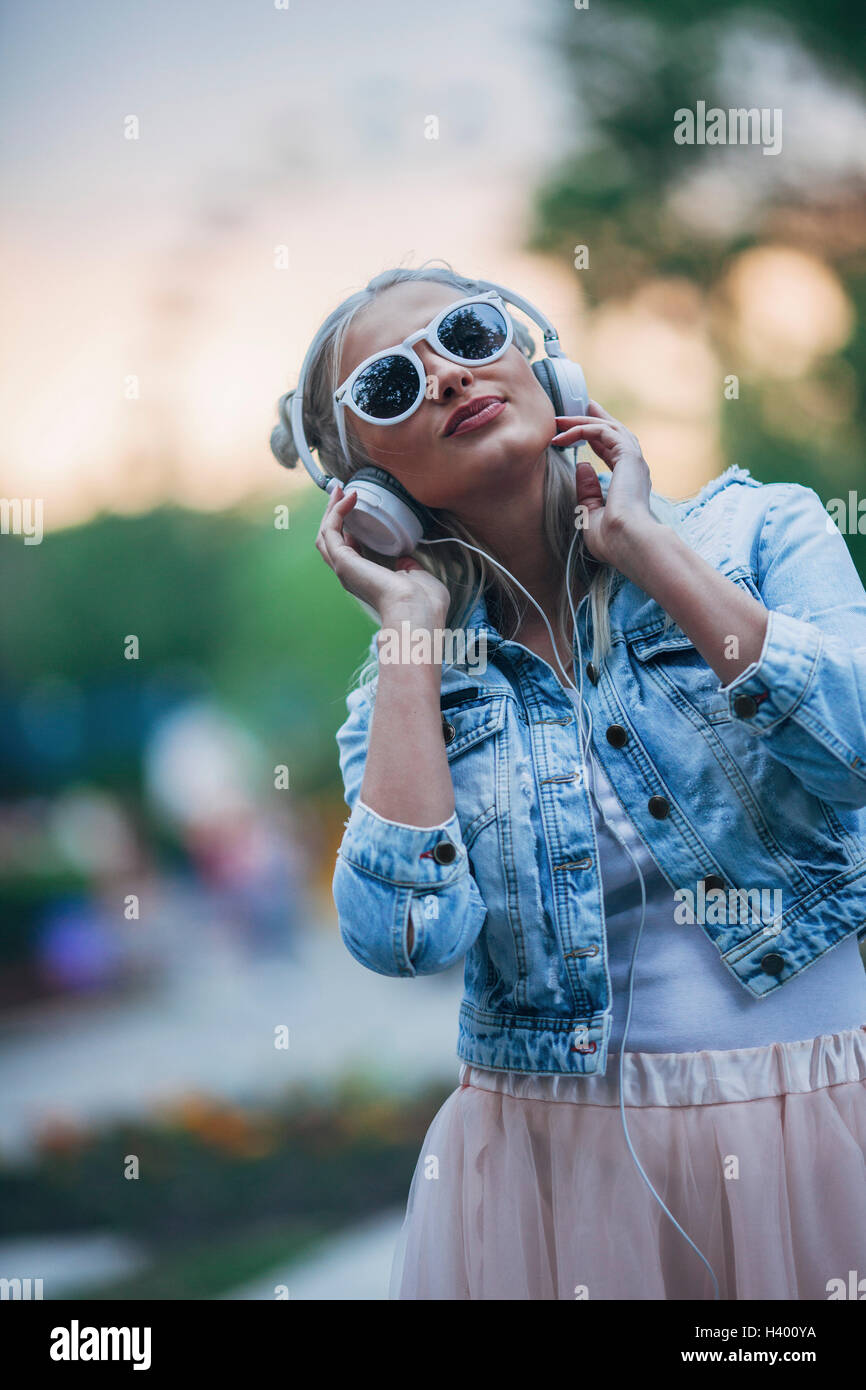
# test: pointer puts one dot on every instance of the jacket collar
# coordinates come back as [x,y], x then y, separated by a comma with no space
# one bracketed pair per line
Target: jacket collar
[734,474]
[478,619]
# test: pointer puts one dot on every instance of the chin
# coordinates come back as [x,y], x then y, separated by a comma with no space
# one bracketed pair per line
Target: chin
[521,451]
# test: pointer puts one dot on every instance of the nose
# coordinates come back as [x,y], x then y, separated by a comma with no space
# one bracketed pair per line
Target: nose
[448,378]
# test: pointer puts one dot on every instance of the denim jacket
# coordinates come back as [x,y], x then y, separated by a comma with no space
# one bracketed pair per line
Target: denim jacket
[755,784]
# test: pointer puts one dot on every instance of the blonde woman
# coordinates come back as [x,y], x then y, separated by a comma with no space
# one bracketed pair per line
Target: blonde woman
[668,751]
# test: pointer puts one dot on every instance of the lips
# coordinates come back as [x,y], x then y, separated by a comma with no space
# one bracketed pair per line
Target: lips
[474,407]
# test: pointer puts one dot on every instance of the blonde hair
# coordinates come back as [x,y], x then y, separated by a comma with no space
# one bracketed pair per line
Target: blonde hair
[466,574]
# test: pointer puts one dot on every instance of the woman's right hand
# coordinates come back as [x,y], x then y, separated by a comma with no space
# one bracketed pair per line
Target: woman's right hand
[407,590]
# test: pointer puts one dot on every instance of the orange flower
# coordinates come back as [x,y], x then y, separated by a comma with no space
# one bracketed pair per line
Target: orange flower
[56,1135]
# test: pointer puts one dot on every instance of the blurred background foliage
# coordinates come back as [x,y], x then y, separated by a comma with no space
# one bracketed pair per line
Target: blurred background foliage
[227,1190]
[226,605]
[650,209]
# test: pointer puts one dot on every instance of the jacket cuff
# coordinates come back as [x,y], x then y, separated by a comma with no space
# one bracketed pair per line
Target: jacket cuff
[410,856]
[402,824]
[771,688]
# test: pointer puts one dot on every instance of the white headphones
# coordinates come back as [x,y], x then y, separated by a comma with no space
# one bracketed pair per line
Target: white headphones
[386,517]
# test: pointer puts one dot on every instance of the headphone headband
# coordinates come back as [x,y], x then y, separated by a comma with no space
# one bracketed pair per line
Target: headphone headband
[551,336]
[296,418]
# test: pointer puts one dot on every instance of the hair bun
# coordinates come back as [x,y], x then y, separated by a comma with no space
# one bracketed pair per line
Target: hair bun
[282,440]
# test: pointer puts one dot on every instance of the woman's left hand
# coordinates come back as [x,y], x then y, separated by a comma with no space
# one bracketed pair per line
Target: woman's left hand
[609,526]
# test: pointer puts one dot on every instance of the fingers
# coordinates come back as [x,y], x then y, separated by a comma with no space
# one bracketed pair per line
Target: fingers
[599,411]
[333,499]
[331,529]
[594,408]
[572,420]
[330,538]
[588,487]
[593,431]
[595,415]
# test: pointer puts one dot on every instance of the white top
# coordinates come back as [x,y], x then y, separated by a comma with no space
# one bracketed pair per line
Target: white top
[684,997]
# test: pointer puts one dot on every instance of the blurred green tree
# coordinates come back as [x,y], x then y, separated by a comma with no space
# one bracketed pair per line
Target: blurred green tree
[646,206]
[226,605]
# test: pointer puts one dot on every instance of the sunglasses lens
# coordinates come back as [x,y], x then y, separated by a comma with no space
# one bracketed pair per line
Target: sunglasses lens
[387,387]
[474,331]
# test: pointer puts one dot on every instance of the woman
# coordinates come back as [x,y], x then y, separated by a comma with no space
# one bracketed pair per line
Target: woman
[706,782]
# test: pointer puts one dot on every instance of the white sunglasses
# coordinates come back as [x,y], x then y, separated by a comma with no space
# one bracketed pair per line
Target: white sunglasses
[390,385]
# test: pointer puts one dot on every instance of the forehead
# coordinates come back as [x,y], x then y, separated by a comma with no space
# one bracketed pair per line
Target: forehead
[391,317]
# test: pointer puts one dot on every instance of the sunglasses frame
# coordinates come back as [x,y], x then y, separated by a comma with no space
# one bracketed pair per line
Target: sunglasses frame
[343,393]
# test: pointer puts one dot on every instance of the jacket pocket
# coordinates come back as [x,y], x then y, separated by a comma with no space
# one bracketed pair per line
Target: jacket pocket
[473,732]
[669,652]
[469,721]
[476,733]
[673,661]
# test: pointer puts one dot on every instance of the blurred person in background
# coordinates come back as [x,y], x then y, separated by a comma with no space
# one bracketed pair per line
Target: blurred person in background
[203,773]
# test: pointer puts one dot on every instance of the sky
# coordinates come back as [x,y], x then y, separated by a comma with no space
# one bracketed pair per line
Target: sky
[149,331]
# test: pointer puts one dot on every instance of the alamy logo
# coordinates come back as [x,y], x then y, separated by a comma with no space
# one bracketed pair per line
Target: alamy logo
[581,1039]
[850,517]
[420,646]
[75,1343]
[22,516]
[716,907]
[20,1288]
[855,1287]
[739,125]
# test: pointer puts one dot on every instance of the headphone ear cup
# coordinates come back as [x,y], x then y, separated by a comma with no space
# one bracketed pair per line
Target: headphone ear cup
[543,372]
[385,517]
[564,383]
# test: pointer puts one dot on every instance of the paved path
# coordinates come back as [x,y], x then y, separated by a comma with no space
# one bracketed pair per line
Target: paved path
[209,1027]
[70,1262]
[354,1265]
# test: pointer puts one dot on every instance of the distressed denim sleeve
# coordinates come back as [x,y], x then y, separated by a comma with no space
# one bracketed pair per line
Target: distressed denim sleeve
[387,870]
[805,696]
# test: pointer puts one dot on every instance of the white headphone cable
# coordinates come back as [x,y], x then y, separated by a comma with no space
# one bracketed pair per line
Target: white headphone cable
[584,746]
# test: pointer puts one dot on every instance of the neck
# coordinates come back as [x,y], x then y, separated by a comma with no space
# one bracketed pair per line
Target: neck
[514,535]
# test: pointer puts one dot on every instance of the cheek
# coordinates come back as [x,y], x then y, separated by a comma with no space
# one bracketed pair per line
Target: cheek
[382,443]
[534,410]
[529,396]
[403,450]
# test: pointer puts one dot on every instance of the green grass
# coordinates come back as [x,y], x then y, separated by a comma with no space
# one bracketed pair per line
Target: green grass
[212,1268]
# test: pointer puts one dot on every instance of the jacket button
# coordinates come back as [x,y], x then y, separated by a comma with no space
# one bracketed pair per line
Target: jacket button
[659,806]
[592,673]
[444,852]
[713,881]
[617,735]
[773,963]
[448,730]
[745,706]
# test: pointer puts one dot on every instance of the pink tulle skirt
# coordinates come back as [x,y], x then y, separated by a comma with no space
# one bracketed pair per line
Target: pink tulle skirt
[525,1187]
